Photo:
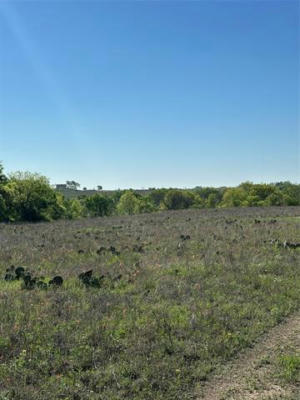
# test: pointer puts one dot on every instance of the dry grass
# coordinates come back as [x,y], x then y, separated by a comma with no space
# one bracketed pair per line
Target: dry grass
[169,311]
[270,370]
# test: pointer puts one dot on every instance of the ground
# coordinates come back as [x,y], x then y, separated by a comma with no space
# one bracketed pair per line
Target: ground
[173,298]
[270,370]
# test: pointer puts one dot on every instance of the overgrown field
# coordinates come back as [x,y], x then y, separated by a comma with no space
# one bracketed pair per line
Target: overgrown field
[172,295]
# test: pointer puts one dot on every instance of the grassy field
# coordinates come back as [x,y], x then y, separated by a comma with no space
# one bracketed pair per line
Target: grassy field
[174,295]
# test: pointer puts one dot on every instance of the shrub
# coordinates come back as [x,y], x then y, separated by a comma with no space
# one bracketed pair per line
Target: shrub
[29,197]
[178,199]
[234,197]
[157,196]
[3,178]
[128,203]
[145,205]
[98,205]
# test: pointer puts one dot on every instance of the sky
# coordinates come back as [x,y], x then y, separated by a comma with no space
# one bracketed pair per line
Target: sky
[138,94]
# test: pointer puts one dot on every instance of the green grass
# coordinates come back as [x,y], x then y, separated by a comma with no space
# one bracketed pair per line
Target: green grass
[290,219]
[160,328]
[289,367]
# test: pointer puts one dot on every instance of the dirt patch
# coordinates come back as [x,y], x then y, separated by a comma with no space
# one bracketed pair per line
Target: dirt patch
[256,374]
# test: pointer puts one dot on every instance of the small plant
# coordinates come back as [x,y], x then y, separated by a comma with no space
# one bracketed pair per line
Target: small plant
[30,282]
[89,281]
[289,367]
[185,237]
[13,273]
[56,281]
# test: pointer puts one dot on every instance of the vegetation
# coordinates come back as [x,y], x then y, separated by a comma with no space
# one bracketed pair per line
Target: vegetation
[268,370]
[289,367]
[147,305]
[29,197]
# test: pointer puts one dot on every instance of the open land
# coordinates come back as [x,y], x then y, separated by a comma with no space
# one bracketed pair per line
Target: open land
[172,300]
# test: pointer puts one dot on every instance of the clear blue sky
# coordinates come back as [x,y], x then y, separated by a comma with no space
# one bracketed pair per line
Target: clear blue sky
[150,93]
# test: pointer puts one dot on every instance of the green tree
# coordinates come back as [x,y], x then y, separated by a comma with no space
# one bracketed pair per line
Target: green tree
[3,178]
[31,198]
[72,185]
[275,199]
[261,192]
[73,208]
[234,197]
[128,203]
[3,196]
[157,196]
[178,199]
[290,191]
[5,200]
[198,202]
[98,205]
[145,205]
[210,196]
[212,200]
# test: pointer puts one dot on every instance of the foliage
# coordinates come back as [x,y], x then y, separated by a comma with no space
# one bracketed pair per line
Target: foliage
[289,367]
[29,197]
[3,178]
[72,185]
[98,205]
[73,208]
[234,197]
[157,196]
[178,199]
[145,205]
[128,203]
[291,193]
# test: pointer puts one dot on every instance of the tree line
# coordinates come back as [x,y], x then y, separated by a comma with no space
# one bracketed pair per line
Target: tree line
[26,196]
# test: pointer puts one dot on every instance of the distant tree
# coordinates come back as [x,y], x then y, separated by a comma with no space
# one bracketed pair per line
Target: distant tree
[128,203]
[275,199]
[99,187]
[31,198]
[72,185]
[261,191]
[211,195]
[3,178]
[4,196]
[178,199]
[198,202]
[290,191]
[234,197]
[99,205]
[212,200]
[73,208]
[157,196]
[116,195]
[145,205]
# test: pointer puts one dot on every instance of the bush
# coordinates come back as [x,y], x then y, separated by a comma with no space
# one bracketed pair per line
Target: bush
[234,197]
[98,205]
[157,196]
[29,197]
[73,208]
[178,199]
[128,203]
[145,205]
[3,178]
[212,200]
